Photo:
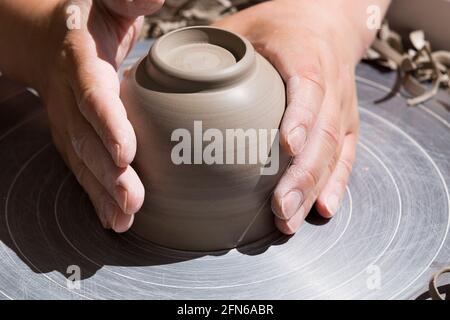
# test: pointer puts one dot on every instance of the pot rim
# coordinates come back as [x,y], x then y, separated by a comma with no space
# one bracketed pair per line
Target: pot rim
[243,64]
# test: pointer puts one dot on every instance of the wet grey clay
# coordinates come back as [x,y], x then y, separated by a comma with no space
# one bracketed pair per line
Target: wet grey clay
[204,106]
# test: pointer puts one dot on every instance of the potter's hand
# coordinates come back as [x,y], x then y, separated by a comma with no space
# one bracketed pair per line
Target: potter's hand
[315,47]
[81,93]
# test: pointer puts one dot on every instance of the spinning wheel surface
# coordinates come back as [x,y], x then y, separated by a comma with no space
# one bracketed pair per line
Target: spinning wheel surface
[389,236]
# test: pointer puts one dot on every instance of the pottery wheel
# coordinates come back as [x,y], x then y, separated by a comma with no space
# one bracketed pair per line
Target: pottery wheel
[387,239]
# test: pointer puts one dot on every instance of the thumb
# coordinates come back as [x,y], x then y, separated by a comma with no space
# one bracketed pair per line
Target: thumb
[131,9]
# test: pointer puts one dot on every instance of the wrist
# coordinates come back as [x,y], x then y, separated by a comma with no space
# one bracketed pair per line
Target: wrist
[24,29]
[348,20]
[43,42]
[364,18]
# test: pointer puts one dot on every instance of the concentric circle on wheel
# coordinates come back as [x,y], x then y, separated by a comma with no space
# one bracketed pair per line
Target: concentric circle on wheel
[384,242]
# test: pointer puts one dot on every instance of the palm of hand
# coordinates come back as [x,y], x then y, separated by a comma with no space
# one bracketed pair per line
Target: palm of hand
[320,125]
[88,120]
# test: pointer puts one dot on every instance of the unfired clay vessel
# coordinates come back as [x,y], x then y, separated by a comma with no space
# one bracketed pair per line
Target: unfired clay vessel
[216,77]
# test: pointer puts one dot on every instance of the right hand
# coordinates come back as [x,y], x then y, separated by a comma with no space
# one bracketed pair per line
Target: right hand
[80,89]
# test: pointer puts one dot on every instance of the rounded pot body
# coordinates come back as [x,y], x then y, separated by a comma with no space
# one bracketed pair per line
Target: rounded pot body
[203,103]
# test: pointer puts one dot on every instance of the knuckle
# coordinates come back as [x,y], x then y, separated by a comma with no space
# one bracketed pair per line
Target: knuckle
[331,133]
[71,47]
[303,176]
[87,99]
[303,118]
[269,50]
[80,145]
[312,71]
[346,166]
[81,173]
[333,162]
[307,117]
[68,49]
[93,111]
[66,58]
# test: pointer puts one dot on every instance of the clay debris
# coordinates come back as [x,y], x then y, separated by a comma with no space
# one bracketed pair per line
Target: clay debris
[177,14]
[421,72]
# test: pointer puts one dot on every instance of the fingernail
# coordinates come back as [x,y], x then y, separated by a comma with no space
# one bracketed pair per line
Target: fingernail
[333,203]
[297,220]
[106,214]
[297,139]
[290,203]
[274,207]
[122,222]
[122,198]
[117,152]
[113,222]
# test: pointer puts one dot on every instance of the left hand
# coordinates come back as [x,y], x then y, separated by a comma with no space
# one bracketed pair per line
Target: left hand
[315,49]
[81,90]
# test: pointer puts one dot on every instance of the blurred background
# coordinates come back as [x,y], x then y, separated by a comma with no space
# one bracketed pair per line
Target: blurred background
[404,16]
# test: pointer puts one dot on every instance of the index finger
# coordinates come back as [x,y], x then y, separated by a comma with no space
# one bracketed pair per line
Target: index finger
[96,88]
[303,75]
[305,99]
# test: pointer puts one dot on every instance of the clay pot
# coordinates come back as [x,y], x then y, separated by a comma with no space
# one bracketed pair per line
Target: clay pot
[195,79]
